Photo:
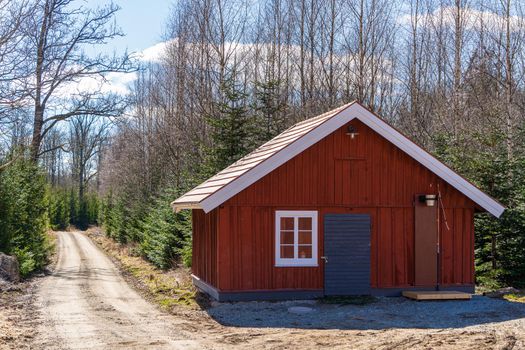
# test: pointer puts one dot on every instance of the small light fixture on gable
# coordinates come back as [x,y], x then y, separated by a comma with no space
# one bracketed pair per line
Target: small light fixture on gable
[428,199]
[351,131]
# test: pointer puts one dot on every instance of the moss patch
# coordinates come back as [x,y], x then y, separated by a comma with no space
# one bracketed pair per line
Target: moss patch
[515,297]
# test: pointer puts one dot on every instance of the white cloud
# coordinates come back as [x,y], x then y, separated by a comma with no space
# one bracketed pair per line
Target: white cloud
[473,19]
[120,83]
[114,83]
[117,83]
[153,53]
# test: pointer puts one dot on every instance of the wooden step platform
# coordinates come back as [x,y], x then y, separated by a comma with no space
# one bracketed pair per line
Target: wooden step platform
[436,295]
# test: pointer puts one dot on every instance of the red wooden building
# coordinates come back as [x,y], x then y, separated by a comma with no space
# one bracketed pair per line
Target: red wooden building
[340,204]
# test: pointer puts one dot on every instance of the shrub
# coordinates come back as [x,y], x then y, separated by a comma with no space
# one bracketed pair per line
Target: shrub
[5,234]
[164,237]
[73,206]
[59,209]
[114,219]
[105,213]
[167,236]
[92,208]
[87,213]
[65,208]
[24,218]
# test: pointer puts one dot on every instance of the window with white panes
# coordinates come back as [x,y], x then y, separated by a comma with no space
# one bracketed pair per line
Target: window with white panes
[296,238]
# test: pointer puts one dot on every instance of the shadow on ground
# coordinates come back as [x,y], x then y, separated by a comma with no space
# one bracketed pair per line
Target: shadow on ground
[383,314]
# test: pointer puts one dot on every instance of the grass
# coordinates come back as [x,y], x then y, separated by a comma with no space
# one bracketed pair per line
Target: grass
[349,300]
[515,297]
[167,288]
[496,291]
[51,241]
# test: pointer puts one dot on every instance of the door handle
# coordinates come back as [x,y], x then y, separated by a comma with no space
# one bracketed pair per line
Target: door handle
[325,258]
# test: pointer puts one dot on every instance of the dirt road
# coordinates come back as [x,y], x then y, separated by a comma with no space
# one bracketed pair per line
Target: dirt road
[86,303]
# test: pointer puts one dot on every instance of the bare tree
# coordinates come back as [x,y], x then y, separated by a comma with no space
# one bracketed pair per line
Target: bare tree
[54,160]
[12,17]
[12,127]
[87,136]
[56,37]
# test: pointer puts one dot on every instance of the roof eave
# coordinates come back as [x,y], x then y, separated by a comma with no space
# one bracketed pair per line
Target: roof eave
[177,207]
[497,211]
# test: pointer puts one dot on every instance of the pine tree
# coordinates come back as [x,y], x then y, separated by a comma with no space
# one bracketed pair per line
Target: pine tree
[269,107]
[24,216]
[231,127]
[59,209]
[166,236]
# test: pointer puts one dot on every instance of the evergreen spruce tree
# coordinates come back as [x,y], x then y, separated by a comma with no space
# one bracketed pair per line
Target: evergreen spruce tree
[73,206]
[499,243]
[24,216]
[231,128]
[166,235]
[269,107]
[59,209]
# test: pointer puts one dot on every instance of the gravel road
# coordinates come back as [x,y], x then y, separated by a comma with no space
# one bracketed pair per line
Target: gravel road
[86,303]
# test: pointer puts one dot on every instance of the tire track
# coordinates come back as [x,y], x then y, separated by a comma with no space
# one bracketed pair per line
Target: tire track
[86,304]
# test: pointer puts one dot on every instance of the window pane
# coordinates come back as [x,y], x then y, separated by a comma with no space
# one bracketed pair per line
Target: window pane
[286,223]
[305,223]
[305,237]
[287,237]
[287,252]
[305,251]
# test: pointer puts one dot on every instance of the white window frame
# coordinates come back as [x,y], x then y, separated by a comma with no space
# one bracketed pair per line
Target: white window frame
[292,262]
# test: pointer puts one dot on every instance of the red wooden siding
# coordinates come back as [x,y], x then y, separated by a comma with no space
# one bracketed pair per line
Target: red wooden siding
[367,171]
[457,246]
[204,241]
[246,253]
[339,174]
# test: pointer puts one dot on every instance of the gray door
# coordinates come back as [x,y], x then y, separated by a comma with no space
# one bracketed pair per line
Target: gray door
[347,254]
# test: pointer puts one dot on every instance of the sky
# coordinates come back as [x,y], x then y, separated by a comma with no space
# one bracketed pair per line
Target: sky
[142,22]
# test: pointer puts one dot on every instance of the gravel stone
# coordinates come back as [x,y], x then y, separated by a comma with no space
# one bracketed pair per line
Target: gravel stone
[387,312]
[300,309]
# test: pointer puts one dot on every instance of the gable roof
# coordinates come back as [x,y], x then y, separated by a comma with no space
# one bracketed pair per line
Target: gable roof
[246,171]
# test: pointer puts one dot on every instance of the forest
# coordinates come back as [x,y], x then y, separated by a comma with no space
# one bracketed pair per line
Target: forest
[233,74]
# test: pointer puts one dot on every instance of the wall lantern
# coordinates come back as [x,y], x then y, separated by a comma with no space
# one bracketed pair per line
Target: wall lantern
[428,199]
[351,131]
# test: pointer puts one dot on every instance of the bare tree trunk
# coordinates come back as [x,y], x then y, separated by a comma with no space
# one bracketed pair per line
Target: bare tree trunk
[303,49]
[332,92]
[361,53]
[414,88]
[458,48]
[508,83]
[38,123]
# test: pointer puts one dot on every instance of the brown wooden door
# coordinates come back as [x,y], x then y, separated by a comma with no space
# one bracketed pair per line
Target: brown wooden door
[426,244]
